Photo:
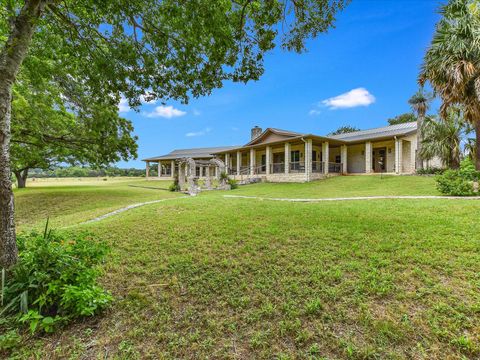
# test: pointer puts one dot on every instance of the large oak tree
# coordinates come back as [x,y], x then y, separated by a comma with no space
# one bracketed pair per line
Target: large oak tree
[170,49]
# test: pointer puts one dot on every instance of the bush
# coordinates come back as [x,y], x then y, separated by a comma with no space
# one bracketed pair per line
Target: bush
[430,171]
[175,186]
[54,280]
[233,183]
[223,176]
[458,182]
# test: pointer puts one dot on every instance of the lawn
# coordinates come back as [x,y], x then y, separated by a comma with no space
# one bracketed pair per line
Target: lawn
[242,278]
[71,201]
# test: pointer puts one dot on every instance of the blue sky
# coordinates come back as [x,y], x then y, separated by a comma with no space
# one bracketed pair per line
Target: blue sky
[376,50]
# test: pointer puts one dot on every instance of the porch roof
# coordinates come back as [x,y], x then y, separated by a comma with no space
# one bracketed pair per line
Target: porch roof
[380,133]
[196,153]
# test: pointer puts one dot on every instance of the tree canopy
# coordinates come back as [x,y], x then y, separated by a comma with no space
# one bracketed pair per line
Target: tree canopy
[344,129]
[402,119]
[452,62]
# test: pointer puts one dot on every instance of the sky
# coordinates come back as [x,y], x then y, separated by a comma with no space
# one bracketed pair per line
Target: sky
[360,73]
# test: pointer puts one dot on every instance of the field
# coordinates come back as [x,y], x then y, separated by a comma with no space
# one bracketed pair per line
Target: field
[228,278]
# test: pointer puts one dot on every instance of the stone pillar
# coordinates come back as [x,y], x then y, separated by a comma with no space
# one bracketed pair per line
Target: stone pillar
[287,157]
[344,156]
[252,161]
[227,163]
[325,156]
[147,169]
[216,172]
[208,182]
[398,156]
[172,171]
[268,159]
[159,169]
[308,159]
[181,175]
[239,162]
[368,157]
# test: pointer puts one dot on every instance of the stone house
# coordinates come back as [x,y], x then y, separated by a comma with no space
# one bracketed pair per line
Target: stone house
[277,155]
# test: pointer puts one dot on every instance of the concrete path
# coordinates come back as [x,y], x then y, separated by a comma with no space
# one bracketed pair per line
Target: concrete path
[358,198]
[129,207]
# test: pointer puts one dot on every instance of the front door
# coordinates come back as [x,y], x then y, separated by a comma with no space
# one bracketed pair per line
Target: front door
[379,160]
[278,162]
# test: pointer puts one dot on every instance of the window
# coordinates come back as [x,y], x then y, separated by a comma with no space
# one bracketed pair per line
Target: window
[295,156]
[338,159]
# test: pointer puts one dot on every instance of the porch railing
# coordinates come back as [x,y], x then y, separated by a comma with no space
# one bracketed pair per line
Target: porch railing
[335,167]
[317,166]
[297,166]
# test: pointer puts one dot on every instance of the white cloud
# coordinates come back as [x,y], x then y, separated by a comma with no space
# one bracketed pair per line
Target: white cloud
[314,112]
[353,98]
[123,105]
[198,133]
[165,112]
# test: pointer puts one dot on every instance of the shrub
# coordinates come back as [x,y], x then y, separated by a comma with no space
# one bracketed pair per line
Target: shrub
[458,182]
[175,186]
[54,280]
[430,171]
[233,183]
[224,176]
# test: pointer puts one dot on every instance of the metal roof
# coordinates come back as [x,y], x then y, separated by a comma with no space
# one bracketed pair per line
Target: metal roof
[193,153]
[377,133]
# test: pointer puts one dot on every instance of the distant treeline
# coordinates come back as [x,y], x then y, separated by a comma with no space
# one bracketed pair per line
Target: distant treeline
[76,171]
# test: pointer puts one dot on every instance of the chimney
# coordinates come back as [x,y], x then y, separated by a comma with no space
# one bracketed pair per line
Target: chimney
[256,132]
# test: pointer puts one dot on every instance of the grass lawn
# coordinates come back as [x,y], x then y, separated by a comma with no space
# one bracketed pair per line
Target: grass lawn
[346,186]
[71,201]
[242,279]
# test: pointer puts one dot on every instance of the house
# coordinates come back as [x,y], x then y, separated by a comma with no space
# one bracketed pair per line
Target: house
[277,155]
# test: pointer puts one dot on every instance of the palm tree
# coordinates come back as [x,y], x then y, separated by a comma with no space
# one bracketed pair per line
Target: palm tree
[452,63]
[444,136]
[420,102]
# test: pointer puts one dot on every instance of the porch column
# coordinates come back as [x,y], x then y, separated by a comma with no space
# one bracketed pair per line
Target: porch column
[147,169]
[268,155]
[325,156]
[343,157]
[308,158]
[172,171]
[159,169]
[287,157]
[368,157]
[239,161]
[398,156]
[252,161]
[227,163]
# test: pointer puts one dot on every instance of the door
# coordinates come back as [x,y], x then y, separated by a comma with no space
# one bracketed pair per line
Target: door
[379,160]
[295,160]
[278,162]
[315,164]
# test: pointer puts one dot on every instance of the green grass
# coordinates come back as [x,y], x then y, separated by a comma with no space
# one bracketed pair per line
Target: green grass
[76,201]
[346,186]
[241,279]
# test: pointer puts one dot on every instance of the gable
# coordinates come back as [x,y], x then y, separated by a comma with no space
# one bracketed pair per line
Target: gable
[269,136]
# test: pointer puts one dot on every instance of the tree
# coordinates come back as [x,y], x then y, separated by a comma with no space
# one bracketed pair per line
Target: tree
[402,119]
[161,49]
[344,130]
[443,137]
[452,62]
[52,125]
[420,102]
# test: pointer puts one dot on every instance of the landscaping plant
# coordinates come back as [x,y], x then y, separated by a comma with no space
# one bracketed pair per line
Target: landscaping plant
[54,281]
[459,182]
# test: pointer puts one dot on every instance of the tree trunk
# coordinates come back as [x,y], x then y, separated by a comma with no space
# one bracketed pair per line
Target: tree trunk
[477,144]
[21,178]
[418,158]
[11,58]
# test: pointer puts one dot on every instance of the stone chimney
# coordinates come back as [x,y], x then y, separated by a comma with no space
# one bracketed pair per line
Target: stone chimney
[256,132]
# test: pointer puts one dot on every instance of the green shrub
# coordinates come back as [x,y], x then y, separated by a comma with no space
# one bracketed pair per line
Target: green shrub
[223,176]
[54,280]
[233,183]
[430,171]
[458,182]
[175,186]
